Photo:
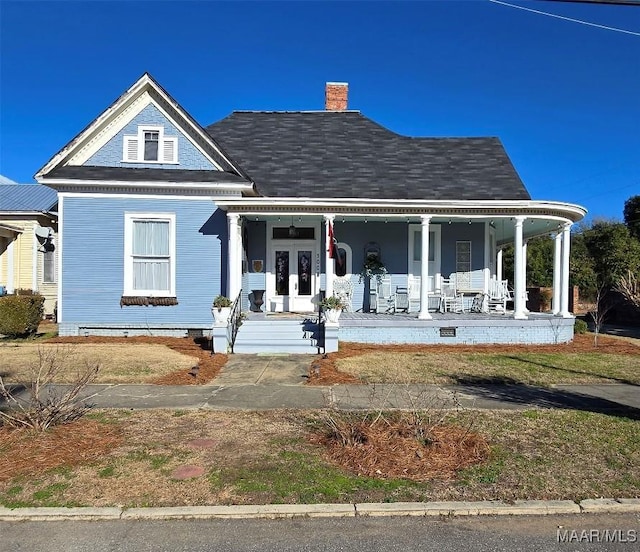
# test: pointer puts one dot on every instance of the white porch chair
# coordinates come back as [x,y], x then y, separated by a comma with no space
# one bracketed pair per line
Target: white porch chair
[498,296]
[384,297]
[414,293]
[343,289]
[452,300]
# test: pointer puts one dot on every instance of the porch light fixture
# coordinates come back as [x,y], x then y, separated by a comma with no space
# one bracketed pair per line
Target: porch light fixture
[293,231]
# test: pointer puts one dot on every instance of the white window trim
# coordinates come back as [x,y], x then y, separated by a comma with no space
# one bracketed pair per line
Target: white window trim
[129,218]
[162,140]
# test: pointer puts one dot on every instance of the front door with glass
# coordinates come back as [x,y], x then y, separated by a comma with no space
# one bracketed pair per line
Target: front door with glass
[292,278]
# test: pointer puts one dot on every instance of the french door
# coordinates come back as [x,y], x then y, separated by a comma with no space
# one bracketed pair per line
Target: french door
[291,282]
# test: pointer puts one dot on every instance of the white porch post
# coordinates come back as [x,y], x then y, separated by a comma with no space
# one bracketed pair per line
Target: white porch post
[499,266]
[524,276]
[424,270]
[566,241]
[329,270]
[10,265]
[234,273]
[557,272]
[518,251]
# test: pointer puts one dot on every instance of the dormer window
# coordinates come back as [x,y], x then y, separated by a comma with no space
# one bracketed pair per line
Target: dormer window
[150,145]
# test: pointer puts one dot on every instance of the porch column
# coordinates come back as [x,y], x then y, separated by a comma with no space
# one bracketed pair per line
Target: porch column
[234,272]
[518,291]
[499,266]
[524,276]
[424,270]
[329,269]
[566,241]
[10,265]
[557,272]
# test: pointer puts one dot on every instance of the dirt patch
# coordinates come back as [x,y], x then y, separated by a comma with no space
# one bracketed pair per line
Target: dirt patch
[325,371]
[25,452]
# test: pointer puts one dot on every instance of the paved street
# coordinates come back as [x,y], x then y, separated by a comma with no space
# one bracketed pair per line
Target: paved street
[404,534]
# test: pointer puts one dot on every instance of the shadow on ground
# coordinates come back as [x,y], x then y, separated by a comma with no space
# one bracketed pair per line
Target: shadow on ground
[507,390]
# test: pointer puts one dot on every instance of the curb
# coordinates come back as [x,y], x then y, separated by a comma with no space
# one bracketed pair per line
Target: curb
[279,511]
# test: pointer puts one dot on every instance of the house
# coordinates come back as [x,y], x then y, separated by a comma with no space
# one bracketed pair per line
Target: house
[159,215]
[28,232]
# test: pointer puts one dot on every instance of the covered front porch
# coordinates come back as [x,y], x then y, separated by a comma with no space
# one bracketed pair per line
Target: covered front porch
[285,254]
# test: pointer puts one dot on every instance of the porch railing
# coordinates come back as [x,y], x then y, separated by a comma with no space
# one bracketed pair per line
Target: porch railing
[235,320]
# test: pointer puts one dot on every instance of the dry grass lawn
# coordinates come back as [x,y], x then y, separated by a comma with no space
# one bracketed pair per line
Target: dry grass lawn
[119,362]
[578,362]
[131,459]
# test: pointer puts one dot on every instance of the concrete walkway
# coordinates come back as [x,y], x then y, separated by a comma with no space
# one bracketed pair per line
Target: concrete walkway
[262,382]
[616,399]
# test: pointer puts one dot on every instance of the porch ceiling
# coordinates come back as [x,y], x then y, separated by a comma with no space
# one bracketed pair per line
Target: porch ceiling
[504,226]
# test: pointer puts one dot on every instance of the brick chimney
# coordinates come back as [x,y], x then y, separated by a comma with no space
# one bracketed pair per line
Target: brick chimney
[335,96]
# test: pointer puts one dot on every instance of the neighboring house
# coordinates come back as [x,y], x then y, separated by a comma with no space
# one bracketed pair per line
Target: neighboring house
[159,215]
[28,229]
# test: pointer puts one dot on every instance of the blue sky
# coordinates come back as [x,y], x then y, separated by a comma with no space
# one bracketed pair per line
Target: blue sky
[563,97]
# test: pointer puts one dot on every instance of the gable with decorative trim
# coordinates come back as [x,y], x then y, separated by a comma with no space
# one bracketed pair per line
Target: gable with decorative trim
[150,139]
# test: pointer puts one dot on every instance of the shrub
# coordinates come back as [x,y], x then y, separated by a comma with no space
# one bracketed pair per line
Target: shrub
[20,314]
[580,327]
[34,402]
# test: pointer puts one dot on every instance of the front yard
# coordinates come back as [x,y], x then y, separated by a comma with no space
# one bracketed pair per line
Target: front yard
[140,459]
[167,458]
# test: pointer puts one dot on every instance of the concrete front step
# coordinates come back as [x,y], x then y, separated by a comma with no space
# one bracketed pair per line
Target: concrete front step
[281,336]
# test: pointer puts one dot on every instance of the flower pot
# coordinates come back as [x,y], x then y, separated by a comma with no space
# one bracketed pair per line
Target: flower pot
[332,315]
[221,315]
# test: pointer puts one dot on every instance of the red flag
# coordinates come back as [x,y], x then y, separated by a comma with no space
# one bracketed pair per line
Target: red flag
[331,240]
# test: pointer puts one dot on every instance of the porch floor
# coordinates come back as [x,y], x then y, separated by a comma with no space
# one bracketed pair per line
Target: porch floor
[348,318]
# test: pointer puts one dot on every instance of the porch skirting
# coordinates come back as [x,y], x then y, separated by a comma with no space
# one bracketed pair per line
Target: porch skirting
[538,329]
[66,329]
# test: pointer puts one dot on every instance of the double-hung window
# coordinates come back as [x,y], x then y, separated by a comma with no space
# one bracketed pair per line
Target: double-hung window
[49,267]
[150,255]
[150,145]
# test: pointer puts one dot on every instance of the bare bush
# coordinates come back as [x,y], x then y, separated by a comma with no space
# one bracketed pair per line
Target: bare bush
[37,402]
[629,287]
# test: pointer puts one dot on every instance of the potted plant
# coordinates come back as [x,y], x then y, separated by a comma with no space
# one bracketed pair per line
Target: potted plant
[221,310]
[373,268]
[332,306]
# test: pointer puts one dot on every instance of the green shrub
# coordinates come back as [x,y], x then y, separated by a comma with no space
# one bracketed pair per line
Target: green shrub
[580,327]
[20,314]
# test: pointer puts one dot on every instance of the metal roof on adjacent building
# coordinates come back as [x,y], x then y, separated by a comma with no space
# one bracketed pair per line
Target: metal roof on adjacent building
[27,197]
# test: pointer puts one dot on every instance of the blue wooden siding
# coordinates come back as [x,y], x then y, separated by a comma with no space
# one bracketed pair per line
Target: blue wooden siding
[189,157]
[93,265]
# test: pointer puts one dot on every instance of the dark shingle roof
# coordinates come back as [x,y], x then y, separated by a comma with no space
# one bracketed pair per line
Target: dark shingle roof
[128,174]
[344,154]
[27,197]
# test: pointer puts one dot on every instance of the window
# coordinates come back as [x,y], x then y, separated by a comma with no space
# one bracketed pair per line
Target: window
[151,139]
[150,145]
[49,267]
[342,262]
[149,268]
[463,264]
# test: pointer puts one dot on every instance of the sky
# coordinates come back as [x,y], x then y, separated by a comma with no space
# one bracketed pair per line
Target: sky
[564,97]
